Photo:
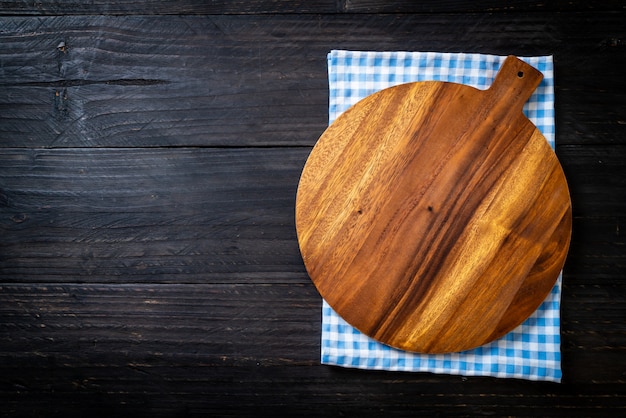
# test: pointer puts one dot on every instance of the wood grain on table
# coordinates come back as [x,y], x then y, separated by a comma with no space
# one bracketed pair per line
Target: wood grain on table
[150,154]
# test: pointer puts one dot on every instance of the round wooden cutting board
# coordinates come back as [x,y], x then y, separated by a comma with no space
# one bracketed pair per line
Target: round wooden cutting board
[434,217]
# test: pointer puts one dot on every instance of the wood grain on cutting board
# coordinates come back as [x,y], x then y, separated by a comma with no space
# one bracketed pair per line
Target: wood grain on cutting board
[435,217]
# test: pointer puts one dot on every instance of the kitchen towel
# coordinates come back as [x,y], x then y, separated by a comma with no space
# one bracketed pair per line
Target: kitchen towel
[532,350]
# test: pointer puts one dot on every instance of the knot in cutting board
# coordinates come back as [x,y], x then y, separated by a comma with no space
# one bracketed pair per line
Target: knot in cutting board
[433,216]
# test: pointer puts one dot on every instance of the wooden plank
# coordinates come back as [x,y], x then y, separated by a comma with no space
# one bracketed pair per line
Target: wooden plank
[317,392]
[234,324]
[225,215]
[597,255]
[102,81]
[457,6]
[596,179]
[221,391]
[220,324]
[591,316]
[202,345]
[169,7]
[166,7]
[587,110]
[167,215]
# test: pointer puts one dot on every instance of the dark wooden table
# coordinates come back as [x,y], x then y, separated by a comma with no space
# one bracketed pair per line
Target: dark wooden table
[149,157]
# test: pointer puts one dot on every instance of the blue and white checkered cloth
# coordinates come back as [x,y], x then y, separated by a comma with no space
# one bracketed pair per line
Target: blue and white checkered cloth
[532,350]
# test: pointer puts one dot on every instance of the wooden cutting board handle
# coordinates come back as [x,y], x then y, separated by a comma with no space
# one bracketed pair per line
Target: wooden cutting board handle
[515,82]
[434,217]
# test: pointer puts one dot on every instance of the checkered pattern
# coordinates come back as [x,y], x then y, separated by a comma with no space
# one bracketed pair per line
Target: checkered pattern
[532,350]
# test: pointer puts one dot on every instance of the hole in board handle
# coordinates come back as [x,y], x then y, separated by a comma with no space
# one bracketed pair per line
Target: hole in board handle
[520,74]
